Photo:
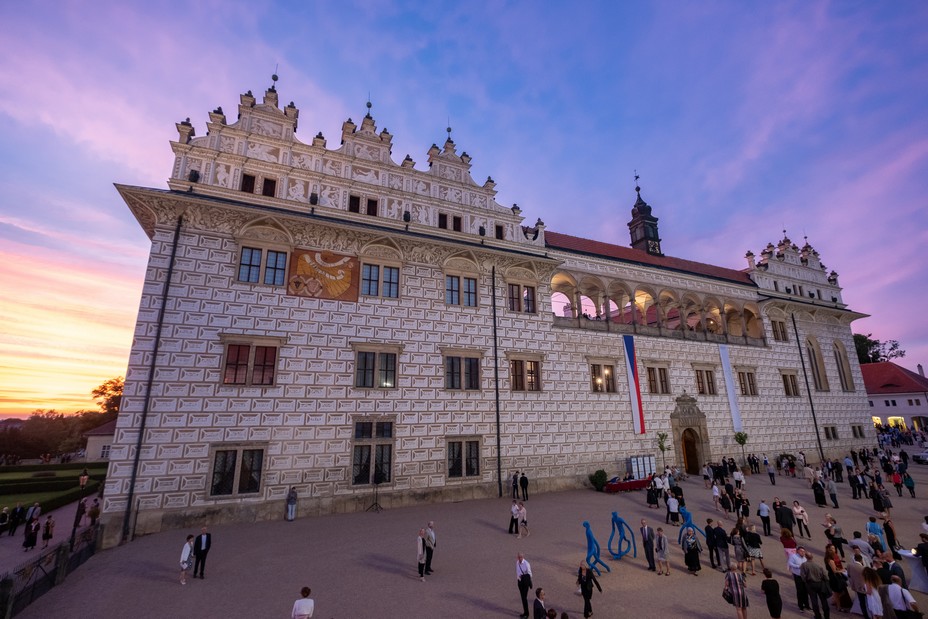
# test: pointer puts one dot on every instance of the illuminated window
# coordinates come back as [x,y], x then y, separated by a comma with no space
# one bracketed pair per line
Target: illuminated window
[602,377]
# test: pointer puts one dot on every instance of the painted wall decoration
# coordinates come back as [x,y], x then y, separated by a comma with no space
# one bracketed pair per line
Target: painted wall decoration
[323,275]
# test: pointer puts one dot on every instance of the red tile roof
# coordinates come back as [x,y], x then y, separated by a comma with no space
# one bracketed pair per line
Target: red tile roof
[887,377]
[107,429]
[556,240]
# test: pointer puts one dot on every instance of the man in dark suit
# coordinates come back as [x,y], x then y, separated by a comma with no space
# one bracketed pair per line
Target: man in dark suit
[523,484]
[714,559]
[200,549]
[539,610]
[721,543]
[647,540]
[895,569]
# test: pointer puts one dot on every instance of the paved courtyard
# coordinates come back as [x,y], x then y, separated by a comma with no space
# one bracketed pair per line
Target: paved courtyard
[363,565]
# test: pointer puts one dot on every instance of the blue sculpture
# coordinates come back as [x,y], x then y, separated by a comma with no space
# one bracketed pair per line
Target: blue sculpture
[688,523]
[624,545]
[592,551]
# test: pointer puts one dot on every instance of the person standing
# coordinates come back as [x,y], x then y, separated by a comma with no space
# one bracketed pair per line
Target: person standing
[721,545]
[856,582]
[33,512]
[794,563]
[734,584]
[832,488]
[802,519]
[420,553]
[200,549]
[763,510]
[48,531]
[303,608]
[647,540]
[515,485]
[523,521]
[94,512]
[771,589]
[185,560]
[661,547]
[538,608]
[291,504]
[31,534]
[587,580]
[691,550]
[16,518]
[524,580]
[523,484]
[873,583]
[817,585]
[431,541]
[514,517]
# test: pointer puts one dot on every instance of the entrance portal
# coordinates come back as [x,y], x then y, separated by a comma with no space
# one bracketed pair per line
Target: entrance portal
[691,460]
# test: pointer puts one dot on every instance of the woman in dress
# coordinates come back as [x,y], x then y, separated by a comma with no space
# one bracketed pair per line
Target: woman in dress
[745,507]
[186,559]
[802,519]
[771,589]
[834,533]
[31,534]
[873,582]
[874,528]
[752,543]
[887,502]
[739,552]
[909,484]
[788,541]
[892,543]
[818,492]
[523,521]
[660,553]
[716,495]
[837,575]
[420,553]
[691,550]
[876,497]
[734,582]
[48,531]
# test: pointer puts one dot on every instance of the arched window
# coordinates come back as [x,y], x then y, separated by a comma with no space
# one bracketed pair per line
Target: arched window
[816,364]
[844,368]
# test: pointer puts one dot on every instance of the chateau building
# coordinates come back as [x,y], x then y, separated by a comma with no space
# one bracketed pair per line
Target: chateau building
[330,320]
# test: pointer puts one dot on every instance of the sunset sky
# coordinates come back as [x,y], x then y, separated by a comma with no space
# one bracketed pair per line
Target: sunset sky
[742,118]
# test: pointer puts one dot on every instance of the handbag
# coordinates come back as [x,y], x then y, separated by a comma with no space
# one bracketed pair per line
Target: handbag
[526,581]
[728,596]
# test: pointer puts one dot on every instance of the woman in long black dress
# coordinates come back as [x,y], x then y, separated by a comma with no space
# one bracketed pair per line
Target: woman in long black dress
[691,550]
[818,491]
[771,589]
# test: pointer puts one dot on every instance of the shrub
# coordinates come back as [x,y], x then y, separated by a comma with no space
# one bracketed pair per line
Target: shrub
[599,479]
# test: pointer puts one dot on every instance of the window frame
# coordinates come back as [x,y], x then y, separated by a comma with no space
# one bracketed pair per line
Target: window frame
[464,358]
[470,464]
[706,384]
[658,377]
[253,343]
[778,327]
[382,283]
[523,302]
[747,382]
[263,267]
[790,381]
[236,491]
[521,377]
[602,375]
[378,372]
[462,278]
[845,378]
[375,445]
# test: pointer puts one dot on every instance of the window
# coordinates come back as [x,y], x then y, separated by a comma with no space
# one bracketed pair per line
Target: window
[816,364]
[499,232]
[747,382]
[844,367]
[375,370]
[602,377]
[831,433]
[249,361]
[521,298]
[790,384]
[462,372]
[658,381]
[248,183]
[105,452]
[463,458]
[380,281]
[442,221]
[918,402]
[705,382]
[779,330]
[857,431]
[456,223]
[274,266]
[269,188]
[372,207]
[236,470]
[460,290]
[525,374]
[372,440]
[354,204]
[893,402]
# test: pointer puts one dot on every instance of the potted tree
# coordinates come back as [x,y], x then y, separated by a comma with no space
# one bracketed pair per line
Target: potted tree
[741,438]
[662,445]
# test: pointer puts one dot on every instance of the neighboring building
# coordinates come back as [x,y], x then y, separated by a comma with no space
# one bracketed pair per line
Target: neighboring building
[100,441]
[336,321]
[897,396]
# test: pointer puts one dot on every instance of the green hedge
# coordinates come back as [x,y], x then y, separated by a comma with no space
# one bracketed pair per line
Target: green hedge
[70,466]
[54,501]
[21,486]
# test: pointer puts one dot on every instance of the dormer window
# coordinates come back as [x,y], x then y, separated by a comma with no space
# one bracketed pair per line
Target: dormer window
[248,183]
[269,188]
[443,221]
[456,223]
[499,232]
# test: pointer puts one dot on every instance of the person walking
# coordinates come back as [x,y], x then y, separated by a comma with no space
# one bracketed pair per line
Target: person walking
[31,534]
[431,541]
[714,558]
[771,473]
[909,484]
[721,544]
[794,564]
[856,582]
[523,521]
[201,548]
[660,553]
[763,511]
[514,517]
[802,519]
[587,580]
[524,581]
[817,585]
[832,489]
[303,608]
[291,504]
[186,559]
[647,540]
[737,595]
[771,590]
[691,550]
[16,518]
[523,484]
[515,485]
[48,531]
[420,553]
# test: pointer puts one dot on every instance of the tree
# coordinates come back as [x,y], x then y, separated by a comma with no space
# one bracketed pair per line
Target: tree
[741,438]
[662,445]
[109,395]
[870,350]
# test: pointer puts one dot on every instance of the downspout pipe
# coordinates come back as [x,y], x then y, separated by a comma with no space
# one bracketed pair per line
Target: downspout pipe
[499,457]
[151,379]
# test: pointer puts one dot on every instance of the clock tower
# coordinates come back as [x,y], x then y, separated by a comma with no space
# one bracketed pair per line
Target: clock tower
[643,227]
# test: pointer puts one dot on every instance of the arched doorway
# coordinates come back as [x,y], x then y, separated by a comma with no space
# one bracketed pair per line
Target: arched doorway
[691,459]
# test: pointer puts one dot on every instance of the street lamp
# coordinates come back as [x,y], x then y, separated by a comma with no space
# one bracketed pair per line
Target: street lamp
[79,513]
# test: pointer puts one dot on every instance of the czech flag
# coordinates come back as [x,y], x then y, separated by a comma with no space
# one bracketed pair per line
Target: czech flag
[634,385]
